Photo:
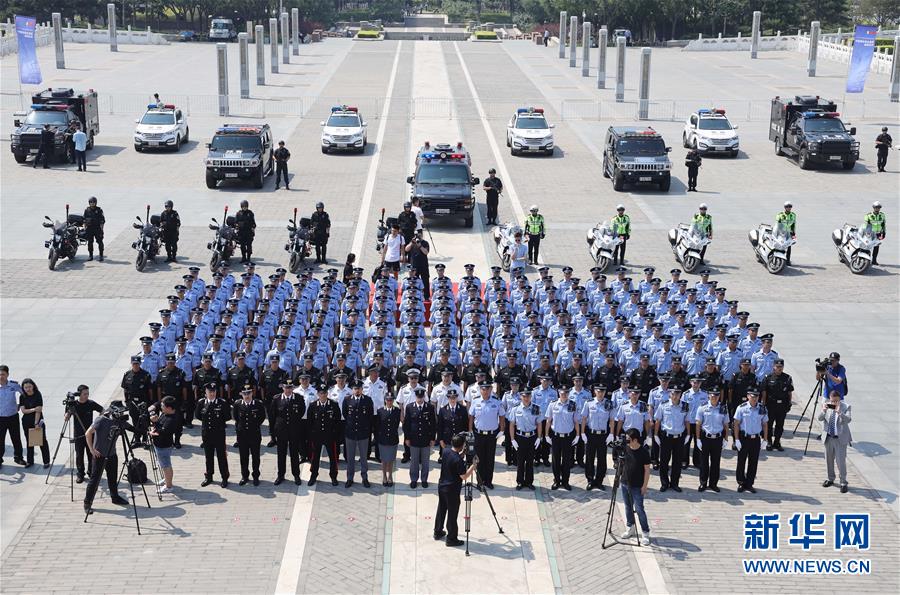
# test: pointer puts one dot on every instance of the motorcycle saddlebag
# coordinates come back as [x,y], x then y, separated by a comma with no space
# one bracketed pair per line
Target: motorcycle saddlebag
[837,236]
[154,220]
[753,236]
[673,236]
[75,219]
[230,221]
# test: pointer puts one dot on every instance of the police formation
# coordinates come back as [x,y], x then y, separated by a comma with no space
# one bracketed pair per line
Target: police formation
[553,368]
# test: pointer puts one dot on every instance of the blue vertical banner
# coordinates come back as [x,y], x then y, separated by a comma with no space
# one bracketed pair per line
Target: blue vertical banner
[29,68]
[861,58]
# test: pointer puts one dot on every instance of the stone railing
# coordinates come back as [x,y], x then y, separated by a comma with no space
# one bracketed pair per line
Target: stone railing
[741,44]
[881,60]
[44,36]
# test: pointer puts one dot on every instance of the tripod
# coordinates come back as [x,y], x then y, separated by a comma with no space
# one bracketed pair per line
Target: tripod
[62,434]
[619,464]
[153,463]
[467,515]
[816,392]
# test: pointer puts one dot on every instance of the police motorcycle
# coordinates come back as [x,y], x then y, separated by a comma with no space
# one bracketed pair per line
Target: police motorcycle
[147,244]
[298,244]
[602,243]
[687,243]
[771,245]
[855,245]
[504,239]
[66,237]
[223,245]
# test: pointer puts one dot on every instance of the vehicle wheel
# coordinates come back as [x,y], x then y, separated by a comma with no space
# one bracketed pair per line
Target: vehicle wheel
[214,260]
[684,141]
[803,159]
[504,262]
[734,154]
[602,263]
[187,135]
[605,170]
[325,150]
[90,143]
[210,180]
[20,158]
[296,262]
[469,221]
[778,149]
[775,264]
[513,152]
[138,148]
[52,258]
[365,141]
[848,164]
[69,154]
[508,144]
[665,184]
[618,181]
[859,265]
[141,261]
[694,144]
[260,178]
[690,263]
[177,144]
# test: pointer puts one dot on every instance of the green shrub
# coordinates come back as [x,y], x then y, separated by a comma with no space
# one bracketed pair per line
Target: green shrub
[485,35]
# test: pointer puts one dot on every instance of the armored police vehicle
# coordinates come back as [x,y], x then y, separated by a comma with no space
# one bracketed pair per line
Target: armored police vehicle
[161,127]
[344,130]
[240,152]
[709,131]
[443,182]
[61,108]
[529,132]
[633,155]
[811,128]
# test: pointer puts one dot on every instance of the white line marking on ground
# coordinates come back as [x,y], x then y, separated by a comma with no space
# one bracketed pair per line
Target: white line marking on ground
[289,571]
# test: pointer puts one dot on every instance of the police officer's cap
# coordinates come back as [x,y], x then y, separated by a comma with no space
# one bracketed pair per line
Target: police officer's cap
[710,360]
[721,326]
[699,338]
[247,390]
[675,272]
[677,391]
[733,337]
[779,362]
[135,359]
[155,326]
[645,356]
[665,376]
[322,388]
[240,355]
[753,325]
[713,392]
[620,207]
[610,356]
[484,384]
[745,360]
[272,358]
[666,338]
[767,337]
[752,392]
[621,269]
[356,383]
[721,290]
[210,386]
[181,341]
[412,372]
[146,340]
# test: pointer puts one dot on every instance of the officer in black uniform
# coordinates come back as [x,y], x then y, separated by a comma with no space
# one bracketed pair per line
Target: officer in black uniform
[492,188]
[692,161]
[282,156]
[512,369]
[476,366]
[45,149]
[289,408]
[883,143]
[452,419]
[324,423]
[777,391]
[710,377]
[172,383]
[214,413]
[245,221]
[94,220]
[321,230]
[137,384]
[270,382]
[170,223]
[608,374]
[248,414]
[239,376]
[644,378]
[680,379]
[742,381]
[407,221]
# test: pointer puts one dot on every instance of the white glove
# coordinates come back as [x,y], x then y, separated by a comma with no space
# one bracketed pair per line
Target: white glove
[647,441]
[549,441]
[737,444]
[687,438]
[576,439]
[499,433]
[699,444]
[609,439]
[584,438]
[656,439]
[515,445]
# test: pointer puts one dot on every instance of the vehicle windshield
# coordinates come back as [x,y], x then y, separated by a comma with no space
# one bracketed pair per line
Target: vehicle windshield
[221,25]
[641,146]
[531,122]
[865,231]
[230,142]
[781,230]
[823,125]
[442,173]
[158,118]
[42,117]
[697,231]
[714,124]
[343,121]
[602,229]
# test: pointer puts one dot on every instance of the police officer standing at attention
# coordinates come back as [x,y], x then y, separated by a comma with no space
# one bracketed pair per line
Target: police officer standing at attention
[703,221]
[45,149]
[94,220]
[693,161]
[777,392]
[711,432]
[672,427]
[248,414]
[789,218]
[525,431]
[493,186]
[883,143]
[621,226]
[246,229]
[750,423]
[452,419]
[171,383]
[487,422]
[321,230]
[407,220]
[534,229]
[214,414]
[562,416]
[282,155]
[876,219]
[170,222]
[358,411]
[419,429]
[597,433]
[324,420]
[288,408]
[137,383]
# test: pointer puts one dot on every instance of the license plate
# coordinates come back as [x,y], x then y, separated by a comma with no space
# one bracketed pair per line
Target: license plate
[33,151]
[645,178]
[230,175]
[721,148]
[442,211]
[342,145]
[534,148]
[835,157]
[153,143]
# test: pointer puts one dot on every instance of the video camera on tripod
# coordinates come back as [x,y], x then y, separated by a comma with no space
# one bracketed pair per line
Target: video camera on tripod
[821,364]
[69,401]
[470,456]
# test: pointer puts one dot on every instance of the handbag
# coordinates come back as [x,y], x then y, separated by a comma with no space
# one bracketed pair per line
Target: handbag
[35,437]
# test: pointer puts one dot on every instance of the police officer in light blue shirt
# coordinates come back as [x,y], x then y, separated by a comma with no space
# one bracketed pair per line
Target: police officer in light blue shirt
[287,360]
[151,361]
[562,418]
[694,360]
[525,431]
[750,427]
[695,397]
[633,413]
[542,397]
[763,361]
[487,422]
[597,422]
[672,426]
[729,359]
[711,432]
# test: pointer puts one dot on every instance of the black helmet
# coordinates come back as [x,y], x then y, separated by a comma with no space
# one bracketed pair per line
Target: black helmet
[492,171]
[407,205]
[244,203]
[92,200]
[169,203]
[320,205]
[884,128]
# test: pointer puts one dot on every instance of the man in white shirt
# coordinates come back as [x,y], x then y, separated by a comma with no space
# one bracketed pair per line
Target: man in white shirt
[80,140]
[390,254]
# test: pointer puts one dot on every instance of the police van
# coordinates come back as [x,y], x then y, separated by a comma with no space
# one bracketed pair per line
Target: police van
[529,132]
[344,130]
[709,131]
[240,152]
[161,127]
[811,129]
[60,108]
[443,182]
[633,155]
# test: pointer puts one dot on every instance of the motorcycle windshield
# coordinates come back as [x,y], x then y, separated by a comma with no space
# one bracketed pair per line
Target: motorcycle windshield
[602,230]
[59,226]
[696,232]
[865,232]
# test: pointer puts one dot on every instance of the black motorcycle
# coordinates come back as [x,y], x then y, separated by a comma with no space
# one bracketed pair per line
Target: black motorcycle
[298,244]
[223,245]
[147,244]
[67,235]
[384,228]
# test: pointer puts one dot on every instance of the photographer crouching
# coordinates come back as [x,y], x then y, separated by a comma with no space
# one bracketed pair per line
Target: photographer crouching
[101,442]
[166,425]
[635,478]
[453,474]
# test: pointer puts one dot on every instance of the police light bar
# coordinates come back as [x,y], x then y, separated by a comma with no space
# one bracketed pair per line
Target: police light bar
[43,106]
[704,111]
[530,110]
[429,155]
[719,110]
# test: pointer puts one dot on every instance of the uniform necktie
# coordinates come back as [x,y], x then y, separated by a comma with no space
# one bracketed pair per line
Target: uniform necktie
[832,423]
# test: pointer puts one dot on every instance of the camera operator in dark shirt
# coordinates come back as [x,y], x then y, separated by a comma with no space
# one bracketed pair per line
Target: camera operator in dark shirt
[417,252]
[635,478]
[453,474]
[100,438]
[165,427]
[84,408]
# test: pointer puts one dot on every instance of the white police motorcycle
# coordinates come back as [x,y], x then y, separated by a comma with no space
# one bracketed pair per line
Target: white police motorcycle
[602,242]
[504,239]
[771,245]
[688,242]
[855,245]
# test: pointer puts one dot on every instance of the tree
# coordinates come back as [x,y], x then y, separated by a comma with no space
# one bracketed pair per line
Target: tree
[879,12]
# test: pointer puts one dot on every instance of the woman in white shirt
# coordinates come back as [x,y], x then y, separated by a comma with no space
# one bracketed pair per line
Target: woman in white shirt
[390,254]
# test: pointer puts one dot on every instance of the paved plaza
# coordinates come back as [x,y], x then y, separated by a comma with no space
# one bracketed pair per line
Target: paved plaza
[80,323]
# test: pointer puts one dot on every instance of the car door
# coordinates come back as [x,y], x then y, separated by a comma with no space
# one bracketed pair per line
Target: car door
[510,127]
[691,128]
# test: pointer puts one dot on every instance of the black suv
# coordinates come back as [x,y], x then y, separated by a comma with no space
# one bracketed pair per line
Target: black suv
[240,151]
[636,155]
[443,182]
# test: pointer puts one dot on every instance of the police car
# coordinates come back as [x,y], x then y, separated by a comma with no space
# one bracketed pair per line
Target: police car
[443,182]
[345,130]
[709,131]
[529,132]
[161,127]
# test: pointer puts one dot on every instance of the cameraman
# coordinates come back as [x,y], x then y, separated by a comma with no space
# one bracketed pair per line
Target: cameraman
[166,426]
[84,409]
[834,375]
[100,438]
[453,473]
[635,478]
[417,252]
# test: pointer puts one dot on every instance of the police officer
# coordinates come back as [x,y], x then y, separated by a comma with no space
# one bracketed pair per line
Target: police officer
[94,220]
[282,156]
[711,432]
[245,221]
[750,426]
[358,411]
[789,218]
[597,419]
[170,222]
[45,149]
[525,431]
[137,383]
[740,384]
[239,376]
[324,420]
[634,413]
[644,378]
[693,161]
[321,230]
[534,229]
[703,222]
[214,413]
[452,419]
[777,391]
[288,408]
[883,143]
[562,418]
[419,430]
[407,220]
[172,383]
[672,427]
[621,226]
[487,422]
[248,414]
[493,186]
[270,388]
[876,219]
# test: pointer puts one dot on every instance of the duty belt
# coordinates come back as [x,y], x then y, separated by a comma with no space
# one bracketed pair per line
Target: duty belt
[566,435]
[668,435]
[525,434]
[486,432]
[599,432]
[711,436]
[745,435]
